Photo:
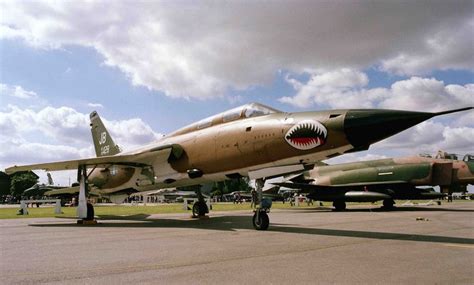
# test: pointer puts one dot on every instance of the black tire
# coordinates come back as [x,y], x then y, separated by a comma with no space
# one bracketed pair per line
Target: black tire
[90,212]
[339,205]
[200,209]
[388,204]
[262,222]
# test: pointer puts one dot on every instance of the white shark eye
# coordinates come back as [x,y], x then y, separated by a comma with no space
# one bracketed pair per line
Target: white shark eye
[306,135]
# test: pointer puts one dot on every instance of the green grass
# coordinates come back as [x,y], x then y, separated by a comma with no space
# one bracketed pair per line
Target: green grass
[124,210]
[128,210]
[44,212]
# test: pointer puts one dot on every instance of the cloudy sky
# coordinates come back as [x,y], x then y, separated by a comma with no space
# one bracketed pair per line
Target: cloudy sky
[149,68]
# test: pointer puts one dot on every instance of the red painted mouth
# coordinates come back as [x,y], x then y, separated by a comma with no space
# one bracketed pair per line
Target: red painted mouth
[307,141]
[306,135]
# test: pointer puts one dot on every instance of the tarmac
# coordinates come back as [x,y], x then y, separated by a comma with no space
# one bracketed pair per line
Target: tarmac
[363,245]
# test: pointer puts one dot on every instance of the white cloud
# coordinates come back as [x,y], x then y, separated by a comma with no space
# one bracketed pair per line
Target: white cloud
[202,50]
[61,124]
[344,89]
[95,105]
[51,134]
[18,153]
[459,139]
[131,133]
[465,119]
[429,137]
[445,49]
[337,88]
[16,91]
[428,94]
[66,125]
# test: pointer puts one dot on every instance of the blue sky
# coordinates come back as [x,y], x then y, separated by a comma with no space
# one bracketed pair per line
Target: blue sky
[150,68]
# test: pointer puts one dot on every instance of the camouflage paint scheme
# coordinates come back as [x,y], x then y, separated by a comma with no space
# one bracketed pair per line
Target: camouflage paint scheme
[385,179]
[252,140]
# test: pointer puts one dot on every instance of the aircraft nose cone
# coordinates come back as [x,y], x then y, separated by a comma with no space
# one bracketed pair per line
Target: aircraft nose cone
[365,127]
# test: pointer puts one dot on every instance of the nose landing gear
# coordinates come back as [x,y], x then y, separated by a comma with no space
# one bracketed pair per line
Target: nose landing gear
[200,208]
[260,219]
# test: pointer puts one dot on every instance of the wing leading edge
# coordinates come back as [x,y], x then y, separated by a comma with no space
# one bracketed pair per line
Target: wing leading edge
[142,159]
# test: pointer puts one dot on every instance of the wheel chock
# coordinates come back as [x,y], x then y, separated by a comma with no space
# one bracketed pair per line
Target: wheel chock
[87,222]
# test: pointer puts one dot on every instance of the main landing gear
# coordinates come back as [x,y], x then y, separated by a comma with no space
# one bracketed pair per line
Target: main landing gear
[388,204]
[339,205]
[85,210]
[260,219]
[200,208]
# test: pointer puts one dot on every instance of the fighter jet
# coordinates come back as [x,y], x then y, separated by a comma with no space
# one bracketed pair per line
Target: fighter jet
[251,140]
[40,189]
[385,179]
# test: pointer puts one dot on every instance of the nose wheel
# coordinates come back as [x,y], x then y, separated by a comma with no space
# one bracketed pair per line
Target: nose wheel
[200,209]
[260,220]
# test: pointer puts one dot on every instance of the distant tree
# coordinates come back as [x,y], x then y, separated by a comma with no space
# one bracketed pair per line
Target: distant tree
[4,183]
[216,192]
[187,188]
[228,186]
[21,181]
[245,184]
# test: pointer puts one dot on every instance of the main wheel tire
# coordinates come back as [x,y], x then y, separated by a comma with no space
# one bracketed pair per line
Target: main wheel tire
[339,205]
[388,204]
[260,221]
[90,212]
[200,209]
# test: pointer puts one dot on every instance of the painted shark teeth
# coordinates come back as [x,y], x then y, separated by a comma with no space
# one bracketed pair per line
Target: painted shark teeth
[306,135]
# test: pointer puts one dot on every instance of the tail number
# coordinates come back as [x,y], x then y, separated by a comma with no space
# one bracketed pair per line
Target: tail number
[103,138]
[104,150]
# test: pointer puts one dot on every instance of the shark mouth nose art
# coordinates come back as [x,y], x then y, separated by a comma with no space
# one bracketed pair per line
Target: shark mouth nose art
[306,135]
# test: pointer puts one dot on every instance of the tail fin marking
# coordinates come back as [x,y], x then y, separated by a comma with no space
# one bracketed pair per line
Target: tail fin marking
[103,143]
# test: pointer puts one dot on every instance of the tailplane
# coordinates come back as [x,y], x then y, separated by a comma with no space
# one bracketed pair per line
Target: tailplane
[103,143]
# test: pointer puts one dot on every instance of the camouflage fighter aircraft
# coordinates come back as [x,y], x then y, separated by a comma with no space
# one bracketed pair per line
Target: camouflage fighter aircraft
[41,189]
[384,179]
[252,140]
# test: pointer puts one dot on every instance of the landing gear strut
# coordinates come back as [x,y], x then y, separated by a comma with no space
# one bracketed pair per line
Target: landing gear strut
[85,210]
[339,205]
[200,208]
[260,218]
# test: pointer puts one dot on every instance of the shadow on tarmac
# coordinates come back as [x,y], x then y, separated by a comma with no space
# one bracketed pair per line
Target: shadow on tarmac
[233,223]
[380,209]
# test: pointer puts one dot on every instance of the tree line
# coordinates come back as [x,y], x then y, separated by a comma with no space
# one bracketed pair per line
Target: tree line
[16,183]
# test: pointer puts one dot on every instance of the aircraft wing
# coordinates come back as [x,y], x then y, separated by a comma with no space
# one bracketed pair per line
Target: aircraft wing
[140,159]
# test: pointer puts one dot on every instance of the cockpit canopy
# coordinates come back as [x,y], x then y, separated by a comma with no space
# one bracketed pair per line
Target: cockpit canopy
[245,111]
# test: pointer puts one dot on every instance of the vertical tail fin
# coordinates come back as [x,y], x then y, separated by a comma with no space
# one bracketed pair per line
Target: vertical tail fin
[50,179]
[103,142]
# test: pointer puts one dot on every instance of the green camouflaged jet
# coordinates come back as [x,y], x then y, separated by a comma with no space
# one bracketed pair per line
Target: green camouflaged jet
[385,179]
